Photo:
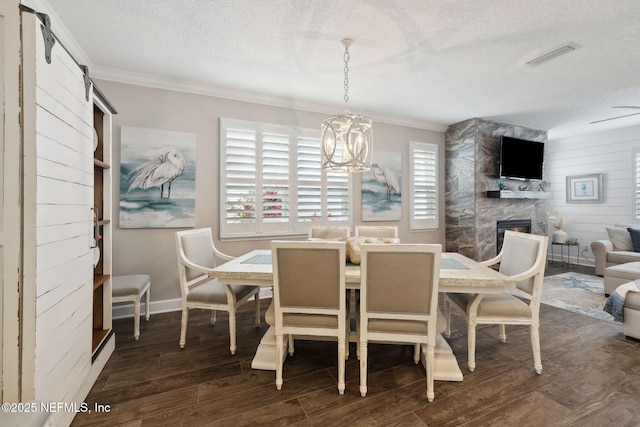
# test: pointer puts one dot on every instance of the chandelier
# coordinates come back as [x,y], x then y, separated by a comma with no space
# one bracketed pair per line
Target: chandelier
[347,139]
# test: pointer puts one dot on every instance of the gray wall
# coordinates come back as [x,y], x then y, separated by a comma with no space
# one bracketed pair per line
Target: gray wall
[153,250]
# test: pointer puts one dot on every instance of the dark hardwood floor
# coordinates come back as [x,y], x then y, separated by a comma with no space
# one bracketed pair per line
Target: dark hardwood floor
[591,377]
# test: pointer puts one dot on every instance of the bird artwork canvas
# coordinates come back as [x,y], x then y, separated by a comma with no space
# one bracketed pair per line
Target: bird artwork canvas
[382,188]
[157,178]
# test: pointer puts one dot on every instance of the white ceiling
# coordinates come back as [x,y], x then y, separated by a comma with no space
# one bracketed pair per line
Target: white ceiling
[428,63]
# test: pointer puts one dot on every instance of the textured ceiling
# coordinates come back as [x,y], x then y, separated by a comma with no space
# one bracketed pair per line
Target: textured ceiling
[429,63]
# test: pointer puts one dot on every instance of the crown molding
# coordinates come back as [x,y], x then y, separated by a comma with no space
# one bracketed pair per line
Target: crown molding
[138,79]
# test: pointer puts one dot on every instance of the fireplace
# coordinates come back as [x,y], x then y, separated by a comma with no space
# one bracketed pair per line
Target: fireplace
[521,225]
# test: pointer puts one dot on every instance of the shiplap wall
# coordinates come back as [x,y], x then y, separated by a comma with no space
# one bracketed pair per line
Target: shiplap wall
[609,153]
[58,220]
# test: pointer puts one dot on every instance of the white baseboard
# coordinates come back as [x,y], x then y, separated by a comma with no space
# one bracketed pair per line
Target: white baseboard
[125,309]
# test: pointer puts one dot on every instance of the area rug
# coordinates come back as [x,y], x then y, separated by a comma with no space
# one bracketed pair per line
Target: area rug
[580,293]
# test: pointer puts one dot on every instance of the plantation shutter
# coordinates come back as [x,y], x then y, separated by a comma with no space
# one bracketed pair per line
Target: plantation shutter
[271,181]
[424,185]
[239,182]
[323,198]
[636,170]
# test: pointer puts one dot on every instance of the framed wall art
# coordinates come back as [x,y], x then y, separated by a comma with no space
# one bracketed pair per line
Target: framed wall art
[381,188]
[157,178]
[584,188]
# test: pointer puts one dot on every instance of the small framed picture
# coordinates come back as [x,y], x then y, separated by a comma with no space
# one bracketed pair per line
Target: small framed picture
[584,188]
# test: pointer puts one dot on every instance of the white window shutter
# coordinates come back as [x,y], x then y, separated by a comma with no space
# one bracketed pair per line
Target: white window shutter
[423,185]
[272,182]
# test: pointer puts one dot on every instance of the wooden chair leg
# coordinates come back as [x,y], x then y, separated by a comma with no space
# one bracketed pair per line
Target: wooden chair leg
[363,368]
[416,353]
[535,345]
[502,332]
[291,340]
[147,313]
[136,318]
[232,331]
[183,326]
[279,361]
[429,358]
[341,364]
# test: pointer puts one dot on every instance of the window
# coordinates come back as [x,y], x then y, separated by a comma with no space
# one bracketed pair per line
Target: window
[636,182]
[272,182]
[423,203]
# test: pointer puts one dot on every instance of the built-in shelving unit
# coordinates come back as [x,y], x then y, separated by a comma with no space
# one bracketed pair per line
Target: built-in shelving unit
[102,206]
[509,194]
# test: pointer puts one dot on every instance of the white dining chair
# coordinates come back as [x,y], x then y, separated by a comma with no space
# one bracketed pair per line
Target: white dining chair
[329,231]
[522,258]
[399,302]
[196,258]
[309,297]
[382,231]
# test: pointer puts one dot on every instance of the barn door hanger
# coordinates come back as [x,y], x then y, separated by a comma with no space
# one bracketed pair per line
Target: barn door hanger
[47,34]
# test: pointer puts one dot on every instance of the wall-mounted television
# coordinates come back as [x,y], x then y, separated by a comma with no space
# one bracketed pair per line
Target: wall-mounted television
[521,159]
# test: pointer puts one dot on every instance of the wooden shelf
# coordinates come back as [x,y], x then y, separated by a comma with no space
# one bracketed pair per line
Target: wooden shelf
[507,194]
[98,336]
[100,164]
[99,279]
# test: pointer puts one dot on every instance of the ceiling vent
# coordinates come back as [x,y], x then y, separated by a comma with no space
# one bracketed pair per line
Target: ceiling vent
[569,47]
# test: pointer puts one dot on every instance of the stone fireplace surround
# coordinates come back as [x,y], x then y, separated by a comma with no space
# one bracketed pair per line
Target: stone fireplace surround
[472,151]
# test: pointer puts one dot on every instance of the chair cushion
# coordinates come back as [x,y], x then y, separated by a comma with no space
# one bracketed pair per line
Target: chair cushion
[503,305]
[406,326]
[129,285]
[622,257]
[310,320]
[211,291]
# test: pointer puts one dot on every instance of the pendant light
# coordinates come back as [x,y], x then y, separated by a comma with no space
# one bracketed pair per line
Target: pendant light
[347,139]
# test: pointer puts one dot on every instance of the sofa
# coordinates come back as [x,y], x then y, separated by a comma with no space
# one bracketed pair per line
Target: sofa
[618,249]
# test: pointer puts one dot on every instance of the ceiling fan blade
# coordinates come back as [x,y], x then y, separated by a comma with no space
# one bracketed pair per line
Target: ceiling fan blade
[627,106]
[613,118]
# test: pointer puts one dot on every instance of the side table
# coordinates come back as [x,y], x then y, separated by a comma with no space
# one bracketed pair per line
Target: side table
[568,246]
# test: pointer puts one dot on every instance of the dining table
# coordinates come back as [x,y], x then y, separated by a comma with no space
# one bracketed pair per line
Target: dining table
[458,273]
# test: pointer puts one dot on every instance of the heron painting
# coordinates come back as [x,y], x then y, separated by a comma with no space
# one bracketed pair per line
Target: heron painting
[157,178]
[382,188]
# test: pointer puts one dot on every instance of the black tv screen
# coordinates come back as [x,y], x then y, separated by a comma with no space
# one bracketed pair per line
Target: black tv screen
[521,159]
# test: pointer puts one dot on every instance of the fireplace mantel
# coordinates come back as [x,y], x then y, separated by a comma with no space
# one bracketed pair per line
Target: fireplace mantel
[508,194]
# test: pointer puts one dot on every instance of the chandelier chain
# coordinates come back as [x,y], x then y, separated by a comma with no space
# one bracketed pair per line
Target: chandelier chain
[346,78]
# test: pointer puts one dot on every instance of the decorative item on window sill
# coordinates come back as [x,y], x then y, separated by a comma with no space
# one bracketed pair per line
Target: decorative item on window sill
[544,186]
[347,139]
[558,222]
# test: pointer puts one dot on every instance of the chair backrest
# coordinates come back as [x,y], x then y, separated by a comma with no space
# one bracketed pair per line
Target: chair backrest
[523,252]
[195,247]
[308,277]
[389,231]
[329,232]
[401,281]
